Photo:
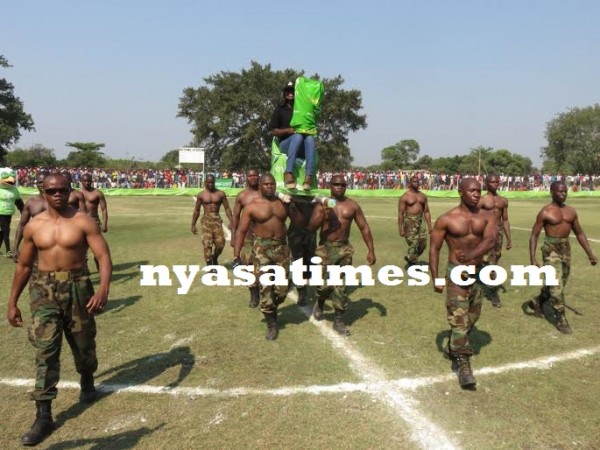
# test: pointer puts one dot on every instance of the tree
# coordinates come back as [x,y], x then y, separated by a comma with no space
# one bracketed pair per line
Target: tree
[13,118]
[36,155]
[88,154]
[425,162]
[574,141]
[400,155]
[230,117]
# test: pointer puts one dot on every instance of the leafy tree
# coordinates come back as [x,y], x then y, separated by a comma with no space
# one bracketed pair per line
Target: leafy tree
[13,118]
[88,154]
[36,155]
[425,162]
[230,117]
[574,141]
[400,155]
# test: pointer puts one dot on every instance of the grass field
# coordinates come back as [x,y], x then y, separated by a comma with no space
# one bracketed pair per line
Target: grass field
[194,371]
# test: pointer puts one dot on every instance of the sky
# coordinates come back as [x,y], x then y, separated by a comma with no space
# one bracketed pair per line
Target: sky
[452,75]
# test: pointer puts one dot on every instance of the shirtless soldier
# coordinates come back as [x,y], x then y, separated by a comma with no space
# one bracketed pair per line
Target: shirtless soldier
[213,238]
[558,220]
[76,198]
[34,206]
[470,233]
[62,297]
[412,209]
[94,199]
[267,215]
[499,205]
[334,247]
[242,200]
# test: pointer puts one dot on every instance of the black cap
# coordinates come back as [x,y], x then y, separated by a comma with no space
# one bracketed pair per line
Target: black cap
[289,87]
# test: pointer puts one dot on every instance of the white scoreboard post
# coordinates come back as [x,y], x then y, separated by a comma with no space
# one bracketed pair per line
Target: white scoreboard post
[192,155]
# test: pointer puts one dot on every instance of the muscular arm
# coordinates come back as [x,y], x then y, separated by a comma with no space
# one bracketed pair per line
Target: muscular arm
[363,226]
[401,213]
[317,217]
[227,210]
[101,252]
[436,239]
[196,214]
[582,239]
[20,279]
[506,226]
[241,231]
[19,204]
[235,218]
[104,209]
[533,238]
[25,217]
[427,215]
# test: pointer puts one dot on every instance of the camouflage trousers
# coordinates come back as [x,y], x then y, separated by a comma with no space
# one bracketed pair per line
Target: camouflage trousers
[338,253]
[271,252]
[213,238]
[247,254]
[556,252]
[302,245]
[463,308]
[492,257]
[415,236]
[58,305]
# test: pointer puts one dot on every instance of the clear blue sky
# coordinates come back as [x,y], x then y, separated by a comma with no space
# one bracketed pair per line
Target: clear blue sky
[452,75]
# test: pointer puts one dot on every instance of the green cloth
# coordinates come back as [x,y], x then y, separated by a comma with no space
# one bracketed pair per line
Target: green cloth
[8,196]
[307,105]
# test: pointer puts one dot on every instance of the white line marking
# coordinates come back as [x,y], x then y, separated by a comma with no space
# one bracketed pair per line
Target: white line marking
[410,384]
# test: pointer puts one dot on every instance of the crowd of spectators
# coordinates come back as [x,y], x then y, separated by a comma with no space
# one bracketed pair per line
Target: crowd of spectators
[183,178]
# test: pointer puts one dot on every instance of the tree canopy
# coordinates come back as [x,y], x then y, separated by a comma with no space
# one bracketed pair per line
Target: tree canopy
[231,113]
[87,154]
[574,141]
[400,155]
[35,155]
[13,117]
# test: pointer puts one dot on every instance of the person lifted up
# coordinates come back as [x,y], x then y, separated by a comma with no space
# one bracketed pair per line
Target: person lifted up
[213,238]
[293,144]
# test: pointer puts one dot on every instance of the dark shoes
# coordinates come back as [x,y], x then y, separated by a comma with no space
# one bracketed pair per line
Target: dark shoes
[88,391]
[496,303]
[272,331]
[536,307]
[338,324]
[43,425]
[254,297]
[465,374]
[561,323]
[318,309]
[301,296]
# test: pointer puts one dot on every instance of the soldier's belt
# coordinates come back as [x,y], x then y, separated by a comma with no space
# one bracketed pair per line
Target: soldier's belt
[269,241]
[68,275]
[337,243]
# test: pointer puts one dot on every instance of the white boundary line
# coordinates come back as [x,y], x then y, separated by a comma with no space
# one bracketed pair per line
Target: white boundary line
[409,384]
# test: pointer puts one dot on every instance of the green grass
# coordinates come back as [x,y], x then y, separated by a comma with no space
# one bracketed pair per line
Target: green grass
[209,338]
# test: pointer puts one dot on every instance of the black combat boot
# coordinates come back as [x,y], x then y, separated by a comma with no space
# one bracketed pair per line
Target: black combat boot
[318,309]
[301,296]
[465,374]
[43,425]
[561,323]
[254,297]
[338,324]
[88,391]
[536,306]
[495,298]
[271,326]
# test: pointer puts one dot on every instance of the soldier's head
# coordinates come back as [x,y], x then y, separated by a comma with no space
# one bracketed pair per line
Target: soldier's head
[558,190]
[413,183]
[267,186]
[492,181]
[337,186]
[39,180]
[209,183]
[86,181]
[56,191]
[252,177]
[470,192]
